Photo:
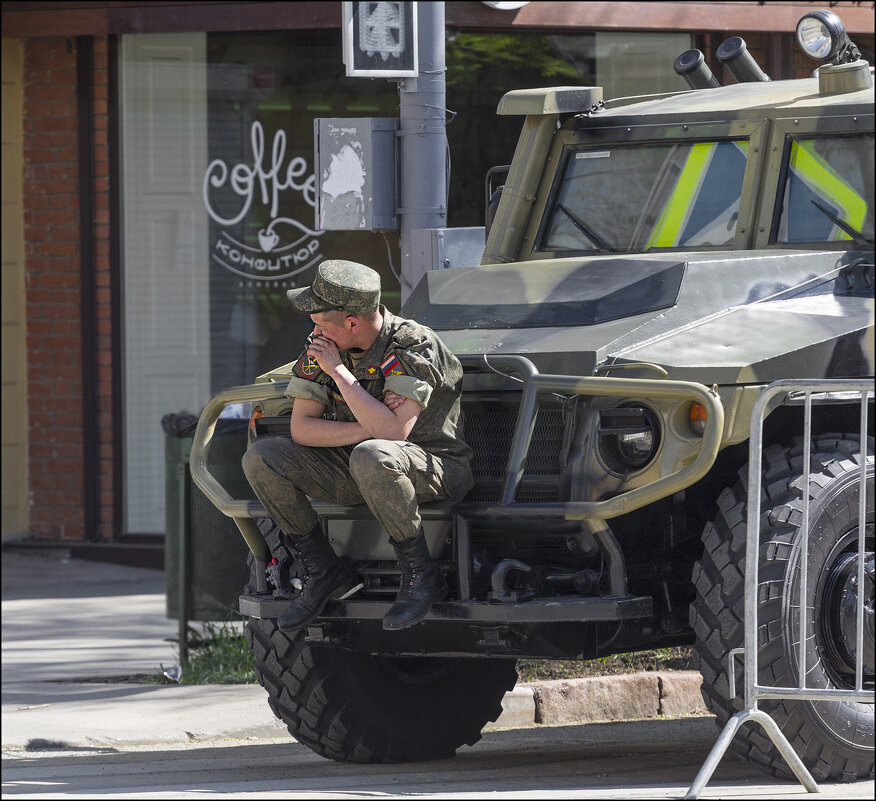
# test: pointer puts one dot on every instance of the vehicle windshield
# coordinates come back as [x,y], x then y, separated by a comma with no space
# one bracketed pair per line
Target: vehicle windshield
[643,197]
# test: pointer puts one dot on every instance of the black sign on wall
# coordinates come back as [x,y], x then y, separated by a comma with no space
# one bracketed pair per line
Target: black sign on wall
[380,40]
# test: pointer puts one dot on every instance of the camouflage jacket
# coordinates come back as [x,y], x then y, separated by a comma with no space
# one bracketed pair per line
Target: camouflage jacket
[410,360]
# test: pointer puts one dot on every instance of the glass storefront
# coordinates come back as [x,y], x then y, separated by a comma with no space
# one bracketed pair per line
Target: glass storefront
[218,194]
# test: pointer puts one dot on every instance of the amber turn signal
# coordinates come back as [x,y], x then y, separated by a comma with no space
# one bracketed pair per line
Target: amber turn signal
[698,418]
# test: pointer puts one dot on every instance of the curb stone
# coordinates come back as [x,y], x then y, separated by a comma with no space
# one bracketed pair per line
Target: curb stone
[602,698]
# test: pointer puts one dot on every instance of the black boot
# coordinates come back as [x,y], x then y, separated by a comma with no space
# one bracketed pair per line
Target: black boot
[325,576]
[422,584]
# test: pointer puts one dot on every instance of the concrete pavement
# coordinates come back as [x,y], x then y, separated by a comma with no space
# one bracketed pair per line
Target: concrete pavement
[68,623]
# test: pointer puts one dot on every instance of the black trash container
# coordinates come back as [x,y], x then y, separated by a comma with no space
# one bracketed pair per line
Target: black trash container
[203,548]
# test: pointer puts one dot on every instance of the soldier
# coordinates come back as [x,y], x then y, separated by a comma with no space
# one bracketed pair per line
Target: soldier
[375,420]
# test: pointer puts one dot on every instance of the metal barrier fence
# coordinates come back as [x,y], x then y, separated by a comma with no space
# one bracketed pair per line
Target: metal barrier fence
[754,691]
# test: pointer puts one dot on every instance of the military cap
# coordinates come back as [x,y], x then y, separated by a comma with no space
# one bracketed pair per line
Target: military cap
[341,285]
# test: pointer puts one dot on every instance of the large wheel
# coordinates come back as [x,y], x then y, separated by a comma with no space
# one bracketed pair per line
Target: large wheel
[358,707]
[833,738]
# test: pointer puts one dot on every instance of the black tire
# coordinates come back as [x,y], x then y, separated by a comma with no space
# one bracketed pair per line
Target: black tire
[356,707]
[833,738]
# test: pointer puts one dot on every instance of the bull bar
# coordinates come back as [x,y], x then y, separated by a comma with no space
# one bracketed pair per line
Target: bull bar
[591,513]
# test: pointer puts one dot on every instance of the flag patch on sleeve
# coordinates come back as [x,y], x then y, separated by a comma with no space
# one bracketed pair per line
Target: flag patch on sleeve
[392,366]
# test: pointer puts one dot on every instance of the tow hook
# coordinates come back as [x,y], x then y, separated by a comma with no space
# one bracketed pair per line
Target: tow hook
[499,590]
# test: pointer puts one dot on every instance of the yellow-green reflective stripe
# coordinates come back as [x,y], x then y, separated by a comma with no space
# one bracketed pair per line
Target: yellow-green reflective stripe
[668,227]
[815,171]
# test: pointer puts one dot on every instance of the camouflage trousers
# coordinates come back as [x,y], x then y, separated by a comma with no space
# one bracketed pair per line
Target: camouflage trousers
[392,477]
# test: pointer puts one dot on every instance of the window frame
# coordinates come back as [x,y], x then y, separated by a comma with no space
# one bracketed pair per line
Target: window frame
[786,129]
[781,188]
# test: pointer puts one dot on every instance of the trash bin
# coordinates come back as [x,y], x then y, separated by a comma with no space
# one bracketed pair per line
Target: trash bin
[203,548]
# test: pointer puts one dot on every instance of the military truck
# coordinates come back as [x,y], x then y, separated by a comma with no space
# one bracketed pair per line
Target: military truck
[652,263]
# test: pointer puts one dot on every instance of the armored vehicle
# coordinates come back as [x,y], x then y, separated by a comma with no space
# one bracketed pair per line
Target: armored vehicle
[651,265]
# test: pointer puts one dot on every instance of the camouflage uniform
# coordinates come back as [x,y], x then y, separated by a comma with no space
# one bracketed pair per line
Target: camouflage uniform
[392,477]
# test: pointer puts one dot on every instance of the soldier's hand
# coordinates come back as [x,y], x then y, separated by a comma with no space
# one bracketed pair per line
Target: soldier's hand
[392,400]
[325,352]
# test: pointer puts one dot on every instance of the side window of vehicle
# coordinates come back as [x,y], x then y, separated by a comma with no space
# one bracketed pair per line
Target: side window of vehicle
[827,189]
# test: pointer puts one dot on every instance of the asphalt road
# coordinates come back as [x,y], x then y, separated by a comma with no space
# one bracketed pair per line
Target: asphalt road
[643,759]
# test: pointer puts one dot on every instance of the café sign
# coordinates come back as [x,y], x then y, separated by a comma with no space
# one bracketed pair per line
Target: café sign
[286,246]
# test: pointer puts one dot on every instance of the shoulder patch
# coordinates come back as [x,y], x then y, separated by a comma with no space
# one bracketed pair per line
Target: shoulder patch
[306,367]
[392,366]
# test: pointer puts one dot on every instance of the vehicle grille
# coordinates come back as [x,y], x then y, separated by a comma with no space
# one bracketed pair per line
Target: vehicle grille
[488,429]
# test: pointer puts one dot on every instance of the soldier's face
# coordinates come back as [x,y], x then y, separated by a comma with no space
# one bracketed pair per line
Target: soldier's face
[335,328]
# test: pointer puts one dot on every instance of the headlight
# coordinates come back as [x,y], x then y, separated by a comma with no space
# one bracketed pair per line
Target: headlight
[628,437]
[822,35]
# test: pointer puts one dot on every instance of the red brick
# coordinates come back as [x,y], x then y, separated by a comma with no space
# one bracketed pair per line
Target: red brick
[40,155]
[59,187]
[61,201]
[66,217]
[36,233]
[59,248]
[34,202]
[35,327]
[38,77]
[42,93]
[38,298]
[60,342]
[66,327]
[64,76]
[46,531]
[74,531]
[71,374]
[65,233]
[54,124]
[37,108]
[56,404]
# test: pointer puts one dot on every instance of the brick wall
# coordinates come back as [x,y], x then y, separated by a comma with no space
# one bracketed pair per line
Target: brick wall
[103,307]
[52,281]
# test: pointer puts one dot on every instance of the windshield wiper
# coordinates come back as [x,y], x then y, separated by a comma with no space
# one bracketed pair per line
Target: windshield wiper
[600,243]
[854,234]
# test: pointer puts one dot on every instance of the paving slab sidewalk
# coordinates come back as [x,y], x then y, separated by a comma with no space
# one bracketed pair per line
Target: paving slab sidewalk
[74,620]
